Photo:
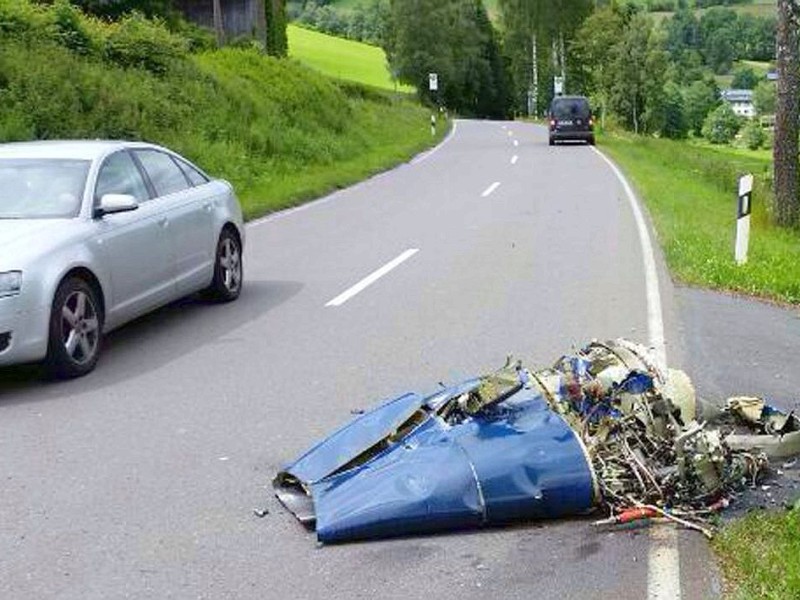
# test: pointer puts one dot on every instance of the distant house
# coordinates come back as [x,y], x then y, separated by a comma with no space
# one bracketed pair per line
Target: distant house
[741,101]
[772,76]
[239,17]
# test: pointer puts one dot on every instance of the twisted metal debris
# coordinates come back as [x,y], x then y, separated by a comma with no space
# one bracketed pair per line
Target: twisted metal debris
[603,427]
[648,449]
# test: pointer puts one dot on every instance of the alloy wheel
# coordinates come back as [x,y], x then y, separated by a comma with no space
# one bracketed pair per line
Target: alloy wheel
[230,263]
[80,327]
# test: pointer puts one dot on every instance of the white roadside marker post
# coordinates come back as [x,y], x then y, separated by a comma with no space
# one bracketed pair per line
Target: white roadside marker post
[743,218]
[433,86]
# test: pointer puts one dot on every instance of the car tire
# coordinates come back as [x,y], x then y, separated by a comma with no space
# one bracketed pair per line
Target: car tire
[591,141]
[75,333]
[228,273]
[551,142]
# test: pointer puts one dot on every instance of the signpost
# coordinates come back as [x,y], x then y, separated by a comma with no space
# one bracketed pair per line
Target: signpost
[558,85]
[743,218]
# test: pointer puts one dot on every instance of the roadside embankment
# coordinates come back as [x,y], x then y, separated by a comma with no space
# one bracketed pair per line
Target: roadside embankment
[279,131]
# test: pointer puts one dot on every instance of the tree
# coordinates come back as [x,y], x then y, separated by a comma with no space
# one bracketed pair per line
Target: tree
[275,17]
[639,65]
[785,149]
[114,9]
[744,78]
[674,123]
[720,50]
[717,30]
[537,34]
[721,125]
[753,135]
[764,98]
[683,33]
[455,39]
[700,98]
[594,45]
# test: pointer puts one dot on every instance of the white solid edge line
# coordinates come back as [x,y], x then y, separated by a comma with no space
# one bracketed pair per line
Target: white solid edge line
[514,159]
[490,190]
[426,155]
[663,565]
[325,199]
[372,278]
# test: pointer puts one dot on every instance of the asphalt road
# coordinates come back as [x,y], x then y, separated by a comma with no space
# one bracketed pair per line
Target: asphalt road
[140,480]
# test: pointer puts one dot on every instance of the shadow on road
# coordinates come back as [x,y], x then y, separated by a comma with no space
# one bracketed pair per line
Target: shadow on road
[152,341]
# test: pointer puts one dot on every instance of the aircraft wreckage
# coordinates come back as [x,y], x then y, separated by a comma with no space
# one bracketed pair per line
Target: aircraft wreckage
[602,428]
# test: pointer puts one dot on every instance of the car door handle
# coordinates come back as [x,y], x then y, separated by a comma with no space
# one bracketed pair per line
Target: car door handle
[208,207]
[163,222]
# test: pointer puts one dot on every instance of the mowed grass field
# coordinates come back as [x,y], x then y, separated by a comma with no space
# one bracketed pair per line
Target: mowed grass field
[342,59]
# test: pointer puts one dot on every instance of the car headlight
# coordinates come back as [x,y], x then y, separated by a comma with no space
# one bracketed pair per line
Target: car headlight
[10,283]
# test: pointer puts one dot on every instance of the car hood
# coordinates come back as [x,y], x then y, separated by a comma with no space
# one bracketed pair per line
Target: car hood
[23,239]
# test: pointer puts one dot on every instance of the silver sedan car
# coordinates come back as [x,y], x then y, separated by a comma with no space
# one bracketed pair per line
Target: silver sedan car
[96,233]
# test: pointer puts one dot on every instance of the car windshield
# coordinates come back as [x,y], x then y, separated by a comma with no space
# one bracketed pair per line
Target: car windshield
[571,108]
[37,188]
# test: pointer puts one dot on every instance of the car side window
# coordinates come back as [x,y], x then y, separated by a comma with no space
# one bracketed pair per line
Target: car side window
[165,175]
[120,175]
[194,176]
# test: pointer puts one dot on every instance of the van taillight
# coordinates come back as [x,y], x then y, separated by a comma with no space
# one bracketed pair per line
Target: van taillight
[591,121]
[553,122]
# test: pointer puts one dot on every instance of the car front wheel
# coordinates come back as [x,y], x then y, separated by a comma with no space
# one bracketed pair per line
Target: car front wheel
[227,282]
[76,330]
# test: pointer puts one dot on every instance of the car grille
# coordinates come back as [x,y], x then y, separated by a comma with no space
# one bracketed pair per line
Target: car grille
[5,341]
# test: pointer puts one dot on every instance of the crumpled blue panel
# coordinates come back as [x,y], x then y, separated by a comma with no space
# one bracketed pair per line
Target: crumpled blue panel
[421,486]
[529,463]
[516,460]
[354,438]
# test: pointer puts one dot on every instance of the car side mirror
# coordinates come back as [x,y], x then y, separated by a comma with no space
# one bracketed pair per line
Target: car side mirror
[116,203]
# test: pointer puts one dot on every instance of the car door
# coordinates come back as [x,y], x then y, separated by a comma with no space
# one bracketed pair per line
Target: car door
[190,216]
[135,244]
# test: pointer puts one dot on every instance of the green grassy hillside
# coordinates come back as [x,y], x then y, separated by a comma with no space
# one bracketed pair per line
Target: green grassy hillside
[491,5]
[341,58]
[279,131]
[761,8]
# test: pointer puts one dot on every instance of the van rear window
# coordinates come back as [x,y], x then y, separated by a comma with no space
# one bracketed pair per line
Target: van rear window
[570,108]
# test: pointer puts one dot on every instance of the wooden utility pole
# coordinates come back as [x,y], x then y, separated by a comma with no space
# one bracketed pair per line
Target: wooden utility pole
[219,25]
[787,120]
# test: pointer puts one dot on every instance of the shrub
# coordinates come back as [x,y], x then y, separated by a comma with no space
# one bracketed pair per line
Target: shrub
[70,29]
[721,125]
[18,18]
[138,42]
[753,135]
[744,78]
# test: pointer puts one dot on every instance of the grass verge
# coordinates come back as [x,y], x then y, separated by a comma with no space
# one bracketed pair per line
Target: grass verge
[279,131]
[760,556]
[690,192]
